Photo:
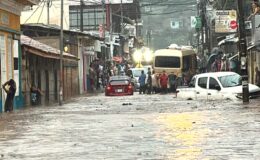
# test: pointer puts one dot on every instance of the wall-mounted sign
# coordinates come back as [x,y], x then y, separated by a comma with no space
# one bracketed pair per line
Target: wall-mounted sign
[195,22]
[226,21]
[4,19]
[90,50]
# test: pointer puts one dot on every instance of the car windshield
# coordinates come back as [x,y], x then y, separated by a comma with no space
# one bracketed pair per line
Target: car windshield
[230,80]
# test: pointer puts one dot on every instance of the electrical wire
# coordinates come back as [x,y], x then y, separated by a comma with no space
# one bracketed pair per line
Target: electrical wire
[41,12]
[34,12]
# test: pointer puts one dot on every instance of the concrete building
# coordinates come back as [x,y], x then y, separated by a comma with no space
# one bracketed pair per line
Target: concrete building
[41,73]
[10,50]
[84,45]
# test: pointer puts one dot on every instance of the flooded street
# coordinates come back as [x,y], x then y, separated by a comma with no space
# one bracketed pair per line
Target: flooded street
[133,127]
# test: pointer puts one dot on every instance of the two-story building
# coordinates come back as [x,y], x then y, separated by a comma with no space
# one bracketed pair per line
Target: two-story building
[10,52]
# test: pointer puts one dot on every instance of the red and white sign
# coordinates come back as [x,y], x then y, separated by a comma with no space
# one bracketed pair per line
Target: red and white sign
[233,24]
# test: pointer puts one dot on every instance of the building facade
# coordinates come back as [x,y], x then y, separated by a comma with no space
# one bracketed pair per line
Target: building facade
[10,50]
[112,21]
[80,44]
[41,73]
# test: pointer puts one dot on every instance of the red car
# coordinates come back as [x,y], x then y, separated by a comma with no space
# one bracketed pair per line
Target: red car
[119,86]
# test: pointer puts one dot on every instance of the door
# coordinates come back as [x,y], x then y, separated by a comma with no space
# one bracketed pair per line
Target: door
[214,91]
[47,96]
[201,89]
[56,85]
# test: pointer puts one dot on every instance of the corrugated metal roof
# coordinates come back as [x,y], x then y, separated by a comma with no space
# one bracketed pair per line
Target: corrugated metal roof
[25,40]
[93,34]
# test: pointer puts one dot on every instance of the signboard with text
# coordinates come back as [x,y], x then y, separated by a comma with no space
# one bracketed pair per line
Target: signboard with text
[226,21]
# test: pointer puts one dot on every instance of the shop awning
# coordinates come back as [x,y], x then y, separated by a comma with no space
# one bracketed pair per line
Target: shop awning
[43,50]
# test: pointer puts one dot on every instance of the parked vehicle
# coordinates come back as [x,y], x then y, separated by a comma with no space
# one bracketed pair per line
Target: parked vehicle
[119,86]
[181,61]
[216,85]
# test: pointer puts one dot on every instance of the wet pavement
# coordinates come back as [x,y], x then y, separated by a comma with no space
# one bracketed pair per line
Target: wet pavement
[145,127]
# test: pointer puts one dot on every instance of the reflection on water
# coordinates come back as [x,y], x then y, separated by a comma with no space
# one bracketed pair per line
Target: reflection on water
[183,131]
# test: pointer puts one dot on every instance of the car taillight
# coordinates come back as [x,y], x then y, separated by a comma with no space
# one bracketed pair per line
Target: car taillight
[130,86]
[109,87]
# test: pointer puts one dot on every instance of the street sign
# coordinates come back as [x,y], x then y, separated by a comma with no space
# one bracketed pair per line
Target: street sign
[195,22]
[226,21]
[198,23]
[233,24]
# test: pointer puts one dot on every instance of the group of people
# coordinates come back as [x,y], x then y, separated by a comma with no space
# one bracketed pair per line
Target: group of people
[100,72]
[220,64]
[157,83]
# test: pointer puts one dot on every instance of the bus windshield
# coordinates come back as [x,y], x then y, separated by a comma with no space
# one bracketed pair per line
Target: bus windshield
[167,62]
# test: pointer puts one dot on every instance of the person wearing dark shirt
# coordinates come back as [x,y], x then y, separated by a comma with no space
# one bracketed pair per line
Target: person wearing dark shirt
[141,80]
[10,94]
[149,81]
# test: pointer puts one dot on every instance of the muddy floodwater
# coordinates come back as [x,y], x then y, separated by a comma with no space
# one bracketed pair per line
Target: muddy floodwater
[139,127]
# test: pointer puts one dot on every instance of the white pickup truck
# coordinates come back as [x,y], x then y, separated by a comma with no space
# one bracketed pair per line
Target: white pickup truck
[216,85]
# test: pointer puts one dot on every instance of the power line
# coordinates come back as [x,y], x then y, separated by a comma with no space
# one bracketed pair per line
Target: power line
[41,12]
[34,12]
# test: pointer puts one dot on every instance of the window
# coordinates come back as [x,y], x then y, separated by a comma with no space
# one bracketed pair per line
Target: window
[92,18]
[16,64]
[203,82]
[192,82]
[167,62]
[213,83]
[119,82]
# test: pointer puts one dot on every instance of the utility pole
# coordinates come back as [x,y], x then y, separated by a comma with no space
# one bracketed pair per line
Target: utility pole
[81,15]
[206,28]
[111,32]
[202,5]
[196,27]
[61,54]
[122,28]
[121,8]
[243,50]
[48,12]
[104,22]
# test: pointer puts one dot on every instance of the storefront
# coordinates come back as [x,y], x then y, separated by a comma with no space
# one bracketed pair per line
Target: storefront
[9,51]
[10,46]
